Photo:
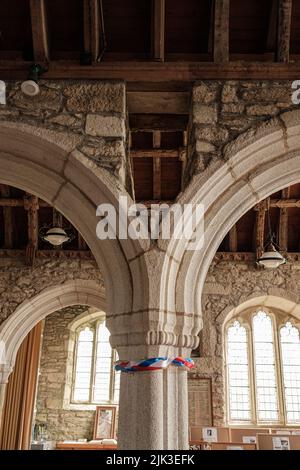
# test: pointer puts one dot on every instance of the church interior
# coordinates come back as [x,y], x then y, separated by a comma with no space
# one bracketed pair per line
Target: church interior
[138,343]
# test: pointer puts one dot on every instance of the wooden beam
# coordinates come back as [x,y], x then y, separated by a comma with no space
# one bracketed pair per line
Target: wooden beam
[221,32]
[14,202]
[233,239]
[211,31]
[163,122]
[151,102]
[31,205]
[154,72]
[39,30]
[93,33]
[159,30]
[284,30]
[7,218]
[62,254]
[81,243]
[156,167]
[284,203]
[283,222]
[261,209]
[272,28]
[156,153]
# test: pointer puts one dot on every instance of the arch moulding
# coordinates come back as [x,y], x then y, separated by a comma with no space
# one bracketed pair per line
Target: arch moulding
[256,164]
[32,311]
[47,164]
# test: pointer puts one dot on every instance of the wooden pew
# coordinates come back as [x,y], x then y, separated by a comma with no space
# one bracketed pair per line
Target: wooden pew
[231,446]
[197,434]
[238,434]
[288,442]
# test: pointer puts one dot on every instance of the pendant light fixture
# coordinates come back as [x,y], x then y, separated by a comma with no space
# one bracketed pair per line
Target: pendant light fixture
[271,257]
[30,87]
[56,235]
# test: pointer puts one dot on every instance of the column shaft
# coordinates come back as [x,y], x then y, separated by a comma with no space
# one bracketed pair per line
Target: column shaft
[153,410]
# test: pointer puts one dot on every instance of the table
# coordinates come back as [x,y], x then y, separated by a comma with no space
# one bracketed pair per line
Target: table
[84,446]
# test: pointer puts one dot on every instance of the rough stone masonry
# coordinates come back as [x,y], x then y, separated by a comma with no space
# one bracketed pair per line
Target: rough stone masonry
[91,114]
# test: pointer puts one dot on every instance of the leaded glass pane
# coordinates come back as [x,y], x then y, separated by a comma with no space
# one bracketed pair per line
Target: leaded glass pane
[238,373]
[265,368]
[290,351]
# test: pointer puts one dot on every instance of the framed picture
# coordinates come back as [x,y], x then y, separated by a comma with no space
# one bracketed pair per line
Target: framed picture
[105,422]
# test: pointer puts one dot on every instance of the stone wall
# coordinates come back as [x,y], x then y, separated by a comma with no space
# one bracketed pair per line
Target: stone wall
[229,284]
[60,423]
[90,113]
[19,282]
[222,110]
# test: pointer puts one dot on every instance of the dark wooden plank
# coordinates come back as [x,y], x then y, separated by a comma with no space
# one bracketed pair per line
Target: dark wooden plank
[283,222]
[233,239]
[93,29]
[157,71]
[284,30]
[81,243]
[7,218]
[156,167]
[31,205]
[272,29]
[165,122]
[155,153]
[159,30]
[285,203]
[261,209]
[158,102]
[39,30]
[221,34]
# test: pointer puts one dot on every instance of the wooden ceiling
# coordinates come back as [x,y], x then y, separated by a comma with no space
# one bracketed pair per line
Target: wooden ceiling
[159,47]
[251,232]
[22,215]
[151,40]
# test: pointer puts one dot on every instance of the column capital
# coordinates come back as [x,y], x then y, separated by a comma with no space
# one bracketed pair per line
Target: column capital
[5,371]
[134,342]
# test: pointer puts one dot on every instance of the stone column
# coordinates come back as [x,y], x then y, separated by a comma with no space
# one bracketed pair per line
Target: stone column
[5,372]
[153,410]
[153,406]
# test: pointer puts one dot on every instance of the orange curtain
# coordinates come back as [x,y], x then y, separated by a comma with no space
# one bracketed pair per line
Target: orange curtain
[15,433]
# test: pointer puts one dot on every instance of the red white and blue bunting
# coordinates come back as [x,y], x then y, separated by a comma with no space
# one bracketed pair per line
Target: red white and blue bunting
[155,363]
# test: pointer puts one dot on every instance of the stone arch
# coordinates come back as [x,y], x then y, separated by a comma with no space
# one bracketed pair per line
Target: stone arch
[279,300]
[17,326]
[46,163]
[256,164]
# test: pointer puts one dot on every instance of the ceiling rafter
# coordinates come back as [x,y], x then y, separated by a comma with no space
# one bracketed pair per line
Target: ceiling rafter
[31,205]
[8,218]
[221,31]
[283,222]
[156,167]
[39,30]
[93,32]
[272,27]
[284,30]
[158,35]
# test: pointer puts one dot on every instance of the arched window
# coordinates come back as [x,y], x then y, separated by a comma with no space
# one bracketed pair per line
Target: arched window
[263,369]
[94,378]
